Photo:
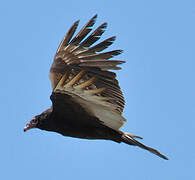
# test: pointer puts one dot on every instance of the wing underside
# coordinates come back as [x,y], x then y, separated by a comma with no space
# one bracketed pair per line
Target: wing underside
[90,99]
[78,53]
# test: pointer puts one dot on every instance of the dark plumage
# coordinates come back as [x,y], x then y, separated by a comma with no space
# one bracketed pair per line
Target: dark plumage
[87,101]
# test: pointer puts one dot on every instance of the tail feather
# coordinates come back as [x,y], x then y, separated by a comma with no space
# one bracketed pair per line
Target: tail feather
[128,139]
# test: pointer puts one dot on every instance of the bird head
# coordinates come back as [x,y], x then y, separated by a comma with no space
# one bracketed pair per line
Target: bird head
[32,123]
[40,121]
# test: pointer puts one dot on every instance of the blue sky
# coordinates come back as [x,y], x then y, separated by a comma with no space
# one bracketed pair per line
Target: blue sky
[158,83]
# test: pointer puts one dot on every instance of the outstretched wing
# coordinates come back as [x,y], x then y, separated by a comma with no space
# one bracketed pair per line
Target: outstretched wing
[79,96]
[77,53]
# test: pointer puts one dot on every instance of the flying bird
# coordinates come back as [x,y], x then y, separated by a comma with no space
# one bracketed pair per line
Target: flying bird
[87,101]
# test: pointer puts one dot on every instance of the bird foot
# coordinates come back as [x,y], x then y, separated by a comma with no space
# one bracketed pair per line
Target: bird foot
[132,135]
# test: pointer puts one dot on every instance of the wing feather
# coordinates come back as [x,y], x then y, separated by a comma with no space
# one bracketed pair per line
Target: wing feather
[97,48]
[91,100]
[77,53]
[84,31]
[68,36]
[95,36]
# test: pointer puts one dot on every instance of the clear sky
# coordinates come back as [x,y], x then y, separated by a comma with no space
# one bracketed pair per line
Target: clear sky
[158,39]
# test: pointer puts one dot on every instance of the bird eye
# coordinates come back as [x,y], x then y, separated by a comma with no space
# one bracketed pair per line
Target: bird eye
[34,121]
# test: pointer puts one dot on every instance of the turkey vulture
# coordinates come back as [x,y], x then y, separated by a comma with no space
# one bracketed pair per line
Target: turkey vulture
[87,101]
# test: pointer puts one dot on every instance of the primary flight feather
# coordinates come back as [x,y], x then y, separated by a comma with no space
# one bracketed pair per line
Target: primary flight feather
[87,101]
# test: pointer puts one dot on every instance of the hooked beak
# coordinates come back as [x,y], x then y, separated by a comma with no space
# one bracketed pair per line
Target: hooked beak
[27,127]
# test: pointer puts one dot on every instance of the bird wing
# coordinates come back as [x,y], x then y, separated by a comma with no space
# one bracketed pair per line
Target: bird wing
[80,70]
[75,91]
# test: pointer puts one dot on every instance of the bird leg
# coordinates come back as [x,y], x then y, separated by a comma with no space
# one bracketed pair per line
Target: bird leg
[132,135]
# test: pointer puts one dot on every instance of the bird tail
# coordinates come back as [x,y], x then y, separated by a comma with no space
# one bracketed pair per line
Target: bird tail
[128,139]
